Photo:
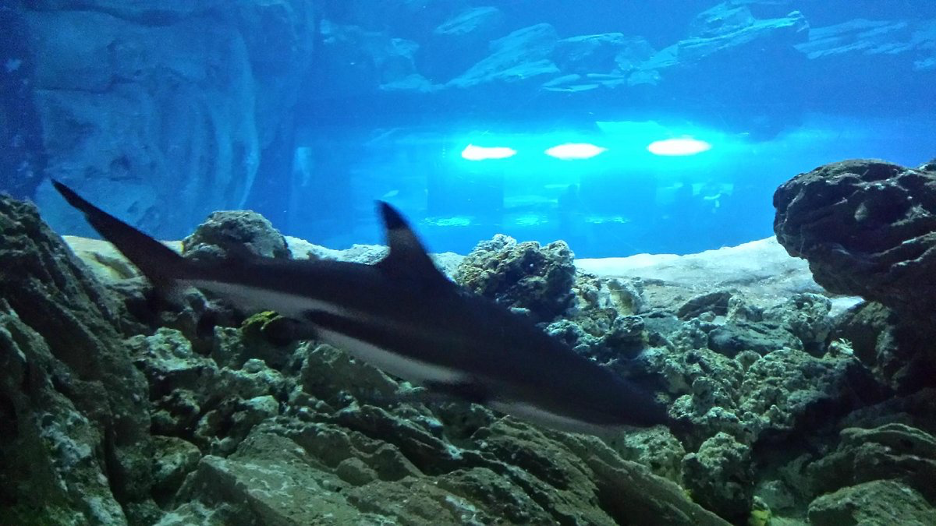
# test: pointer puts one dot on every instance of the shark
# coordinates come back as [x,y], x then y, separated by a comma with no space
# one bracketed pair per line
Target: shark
[405,317]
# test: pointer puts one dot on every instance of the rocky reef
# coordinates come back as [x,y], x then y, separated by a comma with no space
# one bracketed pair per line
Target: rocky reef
[790,405]
[868,228]
[111,419]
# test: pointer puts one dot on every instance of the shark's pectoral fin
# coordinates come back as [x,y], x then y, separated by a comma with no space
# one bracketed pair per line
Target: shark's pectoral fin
[468,391]
[407,258]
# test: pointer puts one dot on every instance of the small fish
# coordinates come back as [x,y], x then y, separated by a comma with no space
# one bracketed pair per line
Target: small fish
[404,316]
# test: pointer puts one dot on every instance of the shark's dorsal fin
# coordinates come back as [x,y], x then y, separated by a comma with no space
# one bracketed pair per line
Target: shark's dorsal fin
[407,257]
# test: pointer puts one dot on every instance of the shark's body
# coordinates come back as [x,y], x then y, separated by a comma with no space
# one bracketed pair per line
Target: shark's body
[404,316]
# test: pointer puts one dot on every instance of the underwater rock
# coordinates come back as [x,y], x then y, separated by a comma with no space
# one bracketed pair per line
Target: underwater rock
[471,21]
[876,502]
[893,451]
[326,372]
[21,161]
[512,472]
[247,414]
[724,335]
[721,477]
[887,346]
[187,309]
[231,487]
[521,275]
[214,407]
[597,53]
[173,460]
[805,316]
[625,296]
[867,228]
[363,60]
[521,55]
[156,102]
[758,398]
[459,42]
[728,26]
[763,338]
[789,390]
[714,302]
[867,328]
[602,322]
[61,452]
[281,39]
[353,447]
[801,322]
[104,98]
[235,233]
[75,440]
[657,448]
[873,37]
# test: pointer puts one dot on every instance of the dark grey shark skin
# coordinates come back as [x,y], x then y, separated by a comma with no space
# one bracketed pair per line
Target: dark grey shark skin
[404,316]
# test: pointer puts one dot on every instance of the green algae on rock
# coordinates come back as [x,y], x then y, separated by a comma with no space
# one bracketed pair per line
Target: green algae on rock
[77,440]
[521,275]
[238,413]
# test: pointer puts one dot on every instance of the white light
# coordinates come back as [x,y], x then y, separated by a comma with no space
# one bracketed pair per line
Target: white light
[676,147]
[480,153]
[574,150]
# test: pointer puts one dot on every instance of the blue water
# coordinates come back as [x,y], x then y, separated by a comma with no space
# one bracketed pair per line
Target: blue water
[381,102]
[768,113]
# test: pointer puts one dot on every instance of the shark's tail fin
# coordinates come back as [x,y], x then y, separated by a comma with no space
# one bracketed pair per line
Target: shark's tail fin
[160,264]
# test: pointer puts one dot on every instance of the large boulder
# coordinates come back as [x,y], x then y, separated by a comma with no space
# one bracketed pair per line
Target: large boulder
[867,228]
[524,276]
[154,102]
[243,232]
[75,445]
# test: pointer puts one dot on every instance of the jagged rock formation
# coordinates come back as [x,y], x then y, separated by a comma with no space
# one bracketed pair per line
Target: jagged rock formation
[99,429]
[111,417]
[521,275]
[241,230]
[867,228]
[157,102]
[76,445]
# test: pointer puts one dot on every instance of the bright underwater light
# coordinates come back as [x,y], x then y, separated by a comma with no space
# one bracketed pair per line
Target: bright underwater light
[678,147]
[481,153]
[570,151]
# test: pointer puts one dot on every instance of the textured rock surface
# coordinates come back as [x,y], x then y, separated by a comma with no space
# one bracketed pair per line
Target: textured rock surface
[347,449]
[889,452]
[867,228]
[76,440]
[235,233]
[363,60]
[519,56]
[877,502]
[872,37]
[894,351]
[729,26]
[521,275]
[148,102]
[721,476]
[245,426]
